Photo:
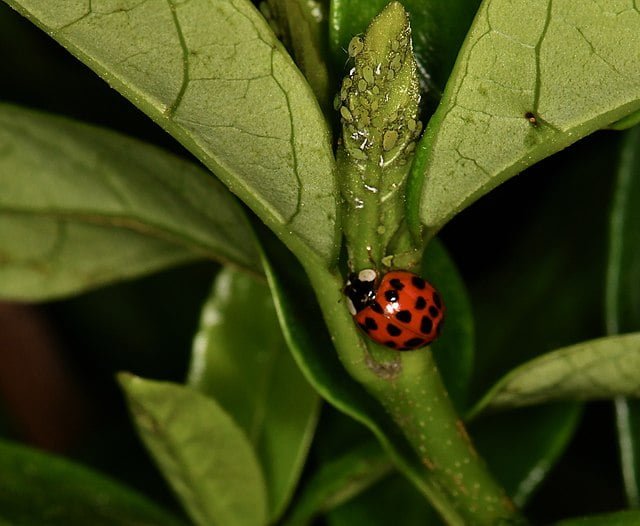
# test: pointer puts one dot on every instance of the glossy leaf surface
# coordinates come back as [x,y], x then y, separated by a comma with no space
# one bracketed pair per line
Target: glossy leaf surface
[81,206]
[531,79]
[623,298]
[215,77]
[203,454]
[241,360]
[38,488]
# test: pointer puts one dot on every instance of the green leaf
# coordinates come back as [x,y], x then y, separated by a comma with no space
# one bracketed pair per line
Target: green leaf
[81,206]
[623,299]
[241,360]
[621,518]
[315,355]
[301,25]
[454,350]
[623,269]
[601,368]
[339,480]
[38,488]
[438,30]
[626,122]
[204,455]
[531,79]
[391,501]
[535,437]
[214,75]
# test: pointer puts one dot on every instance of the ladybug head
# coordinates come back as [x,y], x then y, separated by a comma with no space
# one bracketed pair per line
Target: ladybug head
[360,290]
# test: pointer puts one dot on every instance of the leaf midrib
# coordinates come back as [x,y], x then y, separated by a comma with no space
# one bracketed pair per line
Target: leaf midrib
[133,224]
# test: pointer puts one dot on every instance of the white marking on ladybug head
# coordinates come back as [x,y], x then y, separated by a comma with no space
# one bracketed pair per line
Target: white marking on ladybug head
[351,308]
[367,274]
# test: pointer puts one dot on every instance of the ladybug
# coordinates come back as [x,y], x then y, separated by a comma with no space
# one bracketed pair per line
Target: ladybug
[402,310]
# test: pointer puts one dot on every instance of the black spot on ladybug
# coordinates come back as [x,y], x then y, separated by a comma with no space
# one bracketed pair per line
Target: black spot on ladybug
[375,307]
[370,323]
[437,300]
[415,342]
[433,311]
[396,284]
[418,282]
[393,330]
[404,316]
[390,344]
[426,325]
[363,327]
[391,296]
[421,303]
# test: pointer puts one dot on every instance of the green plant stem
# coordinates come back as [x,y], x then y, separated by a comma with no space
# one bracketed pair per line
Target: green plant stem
[374,215]
[409,386]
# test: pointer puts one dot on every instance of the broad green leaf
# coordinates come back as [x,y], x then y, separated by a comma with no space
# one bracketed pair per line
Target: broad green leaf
[241,359]
[214,75]
[391,501]
[339,480]
[621,518]
[602,368]
[81,206]
[623,298]
[535,437]
[314,353]
[203,454]
[438,29]
[532,78]
[38,488]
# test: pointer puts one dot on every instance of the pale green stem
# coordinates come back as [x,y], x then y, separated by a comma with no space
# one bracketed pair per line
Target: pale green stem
[409,386]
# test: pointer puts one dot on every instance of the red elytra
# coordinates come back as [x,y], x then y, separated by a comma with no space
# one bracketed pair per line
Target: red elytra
[404,312]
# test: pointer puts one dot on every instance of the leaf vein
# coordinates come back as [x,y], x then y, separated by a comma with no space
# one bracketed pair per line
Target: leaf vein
[185,60]
[538,47]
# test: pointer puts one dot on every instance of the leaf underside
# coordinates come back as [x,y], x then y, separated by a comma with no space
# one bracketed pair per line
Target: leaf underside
[214,75]
[596,369]
[532,77]
[82,206]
